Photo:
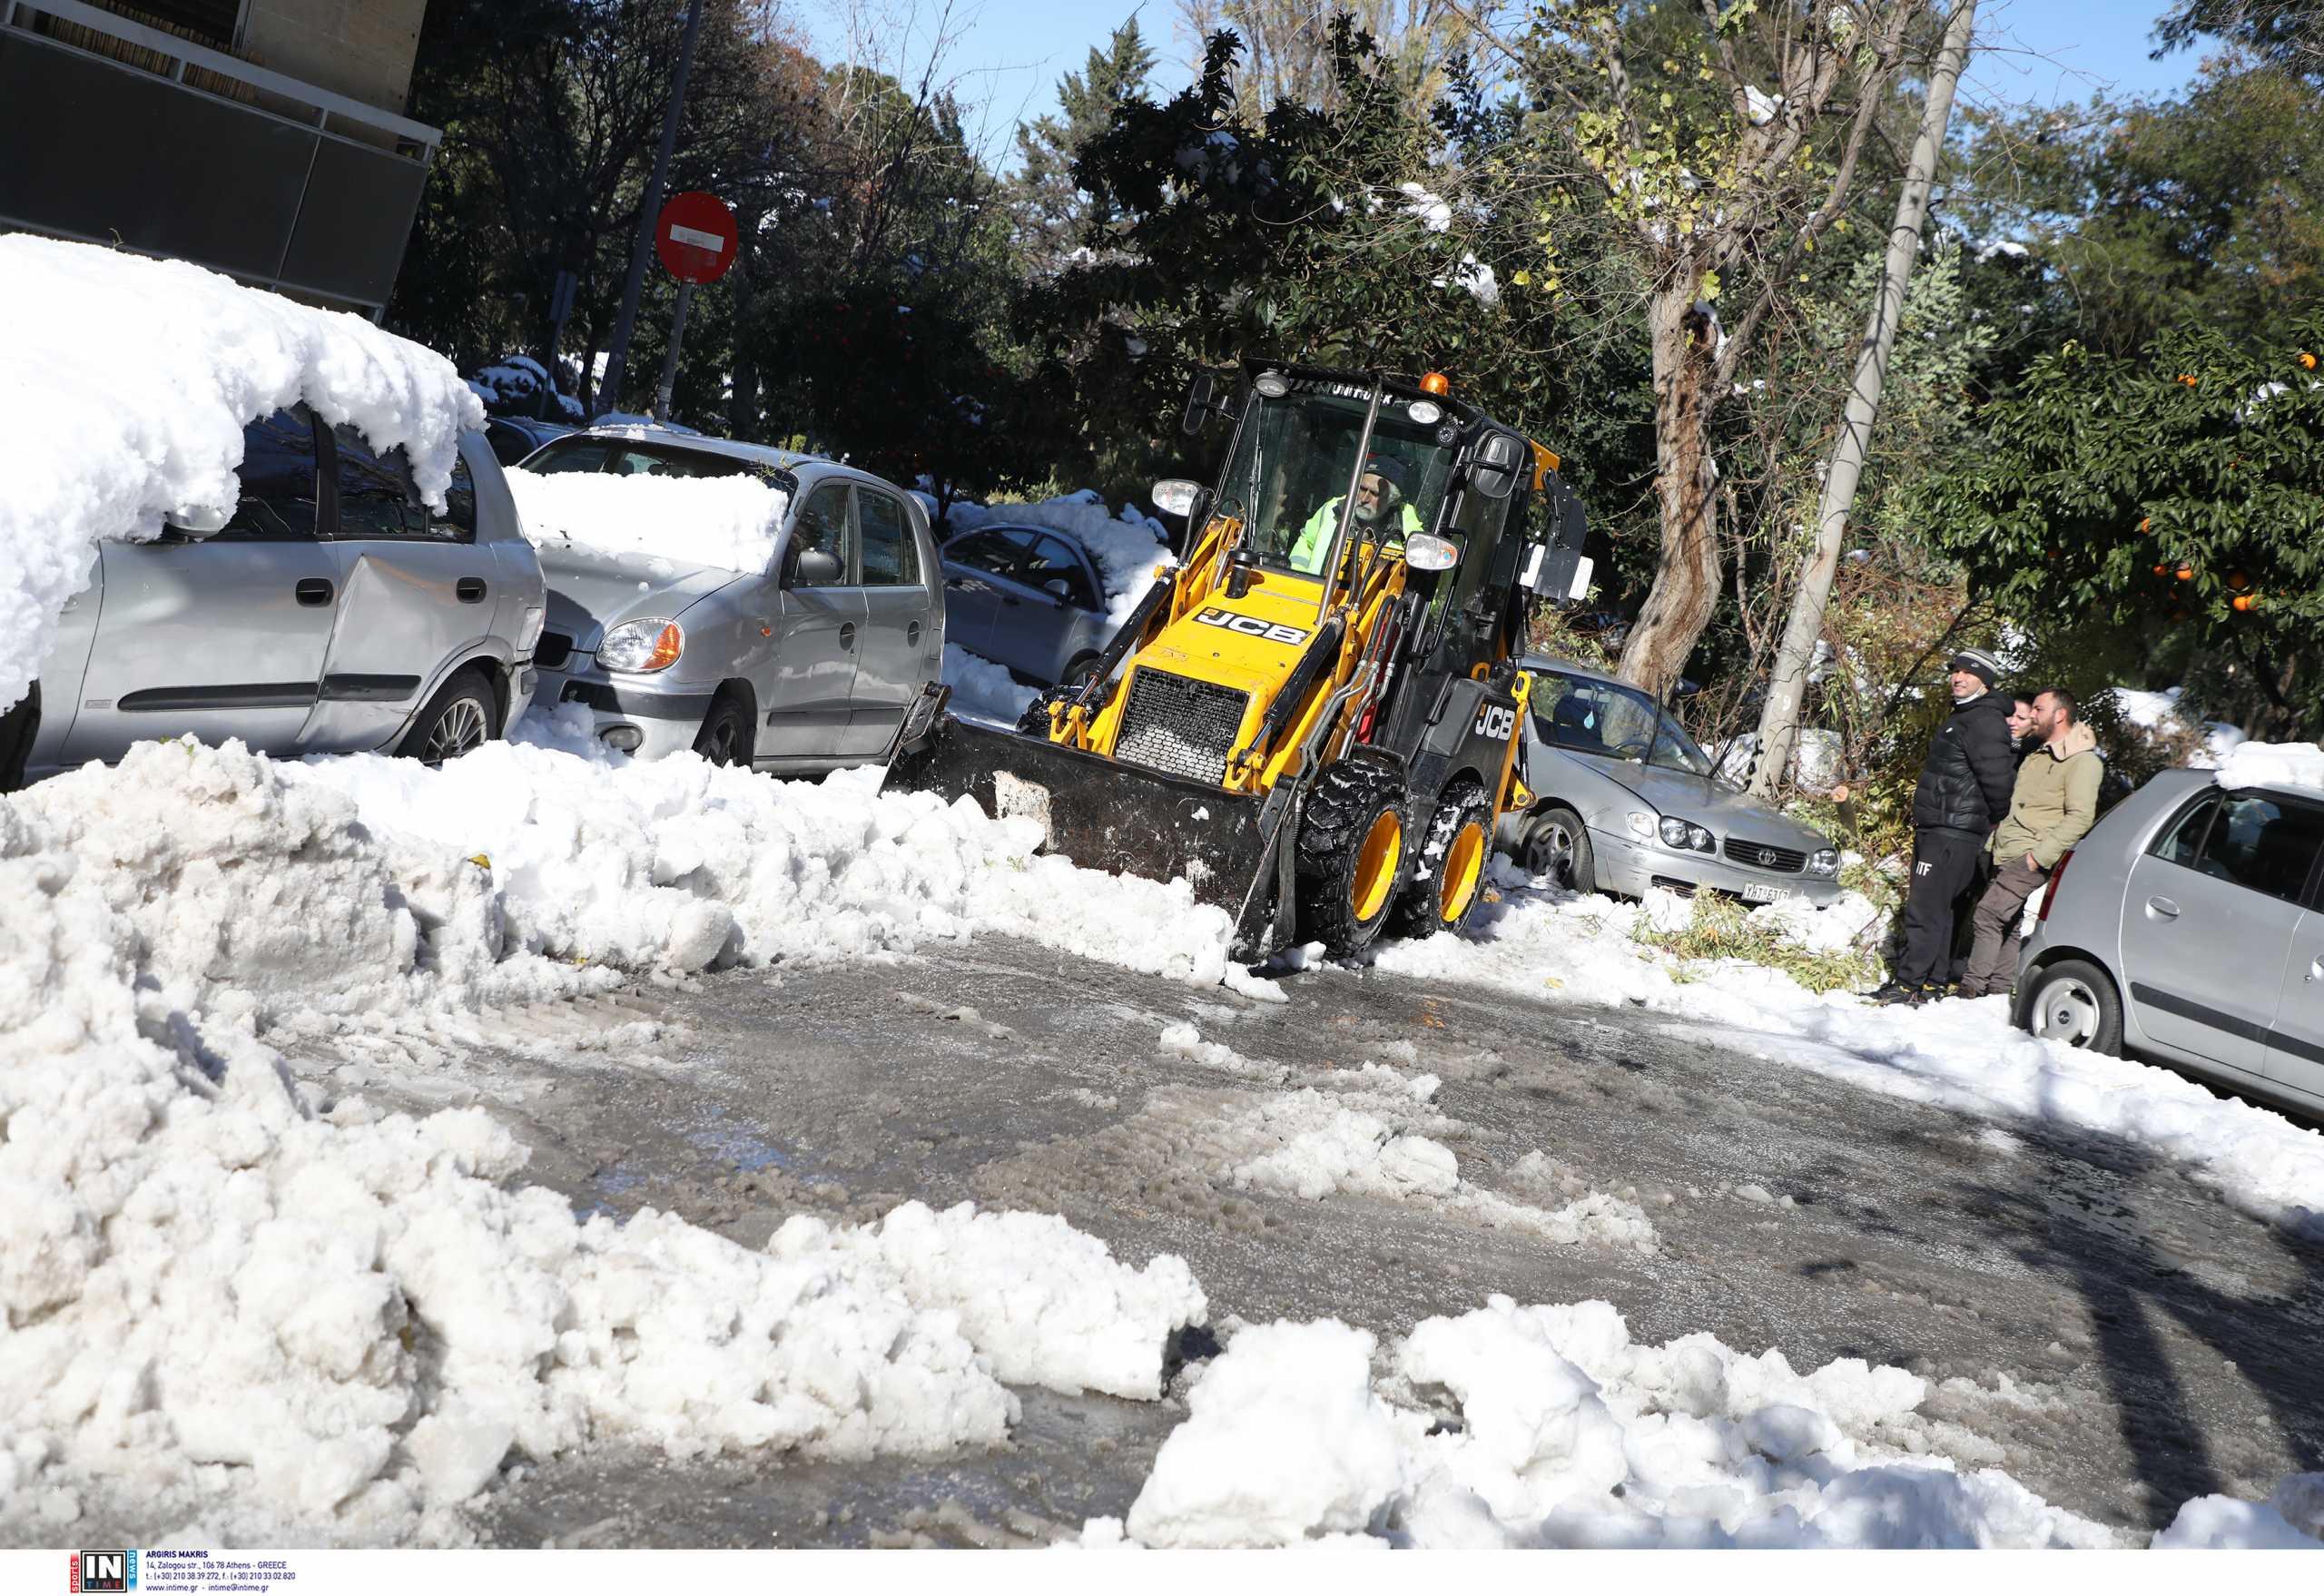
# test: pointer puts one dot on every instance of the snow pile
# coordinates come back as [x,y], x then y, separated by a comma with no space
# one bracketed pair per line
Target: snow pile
[1548,1426]
[1283,1439]
[983,690]
[1959,1054]
[2272,764]
[1129,549]
[729,523]
[2159,712]
[678,863]
[124,387]
[223,1311]
[1074,1321]
[2291,1520]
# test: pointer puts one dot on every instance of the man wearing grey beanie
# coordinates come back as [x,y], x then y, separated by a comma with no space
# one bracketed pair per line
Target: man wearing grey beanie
[1964,792]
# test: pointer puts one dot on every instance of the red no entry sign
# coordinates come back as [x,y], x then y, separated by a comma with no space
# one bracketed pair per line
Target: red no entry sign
[695,237]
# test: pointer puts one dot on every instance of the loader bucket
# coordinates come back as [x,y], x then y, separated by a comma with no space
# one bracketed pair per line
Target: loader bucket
[1100,812]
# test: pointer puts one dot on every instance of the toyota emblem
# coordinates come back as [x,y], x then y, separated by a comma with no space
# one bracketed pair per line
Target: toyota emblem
[1767,856]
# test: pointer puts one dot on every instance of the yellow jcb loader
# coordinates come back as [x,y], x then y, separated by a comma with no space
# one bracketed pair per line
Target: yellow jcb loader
[1315,718]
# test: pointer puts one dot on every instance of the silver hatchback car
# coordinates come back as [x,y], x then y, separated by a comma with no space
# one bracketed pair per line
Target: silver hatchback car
[1623,800]
[334,613]
[2189,926]
[821,660]
[1026,597]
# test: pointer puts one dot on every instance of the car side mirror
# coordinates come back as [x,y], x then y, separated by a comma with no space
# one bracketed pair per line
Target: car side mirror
[1494,465]
[816,567]
[1059,589]
[198,520]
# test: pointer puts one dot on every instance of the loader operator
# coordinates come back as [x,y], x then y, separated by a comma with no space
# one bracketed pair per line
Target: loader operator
[1380,502]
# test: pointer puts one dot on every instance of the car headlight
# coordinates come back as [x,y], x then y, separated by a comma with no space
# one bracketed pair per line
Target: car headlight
[1641,825]
[1685,834]
[1824,861]
[639,647]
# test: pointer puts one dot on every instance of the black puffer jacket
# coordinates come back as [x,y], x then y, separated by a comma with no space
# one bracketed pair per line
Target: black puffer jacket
[1970,770]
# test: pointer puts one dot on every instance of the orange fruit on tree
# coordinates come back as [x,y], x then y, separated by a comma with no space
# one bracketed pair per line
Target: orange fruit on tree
[2190,381]
[2246,601]
[2307,360]
[2238,580]
[2185,572]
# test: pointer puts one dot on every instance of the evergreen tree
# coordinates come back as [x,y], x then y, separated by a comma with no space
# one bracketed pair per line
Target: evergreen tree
[1053,214]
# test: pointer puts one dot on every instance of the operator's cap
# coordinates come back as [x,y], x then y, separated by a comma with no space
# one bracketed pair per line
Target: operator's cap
[1389,467]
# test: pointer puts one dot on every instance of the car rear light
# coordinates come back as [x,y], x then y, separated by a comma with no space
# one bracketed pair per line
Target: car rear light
[2050,892]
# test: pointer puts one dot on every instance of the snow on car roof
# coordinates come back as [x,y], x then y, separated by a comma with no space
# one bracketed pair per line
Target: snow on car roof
[764,454]
[123,403]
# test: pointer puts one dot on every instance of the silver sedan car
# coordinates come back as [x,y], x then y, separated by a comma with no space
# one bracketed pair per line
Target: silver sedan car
[2189,926]
[334,613]
[824,659]
[1623,800]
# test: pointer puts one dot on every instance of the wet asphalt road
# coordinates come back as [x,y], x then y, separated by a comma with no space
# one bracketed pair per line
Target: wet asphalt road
[2091,1321]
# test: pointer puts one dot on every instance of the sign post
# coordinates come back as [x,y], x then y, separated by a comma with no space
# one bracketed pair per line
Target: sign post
[695,239]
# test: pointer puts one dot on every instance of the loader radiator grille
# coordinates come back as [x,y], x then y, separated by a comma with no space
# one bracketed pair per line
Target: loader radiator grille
[1180,725]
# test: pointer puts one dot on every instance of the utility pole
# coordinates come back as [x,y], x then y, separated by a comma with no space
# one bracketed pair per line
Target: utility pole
[1779,718]
[649,208]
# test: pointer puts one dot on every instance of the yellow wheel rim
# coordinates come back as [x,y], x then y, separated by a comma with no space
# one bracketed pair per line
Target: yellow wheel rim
[1465,863]
[1376,867]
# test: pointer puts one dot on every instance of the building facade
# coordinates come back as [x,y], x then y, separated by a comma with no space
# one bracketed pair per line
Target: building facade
[265,138]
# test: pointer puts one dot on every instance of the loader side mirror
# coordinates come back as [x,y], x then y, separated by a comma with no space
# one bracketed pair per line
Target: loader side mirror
[1494,466]
[1200,403]
[1175,496]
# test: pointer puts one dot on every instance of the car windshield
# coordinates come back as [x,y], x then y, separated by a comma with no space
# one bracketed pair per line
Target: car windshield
[1292,463]
[1607,719]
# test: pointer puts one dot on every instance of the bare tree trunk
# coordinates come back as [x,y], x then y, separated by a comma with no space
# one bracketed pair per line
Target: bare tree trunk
[1679,605]
[1780,719]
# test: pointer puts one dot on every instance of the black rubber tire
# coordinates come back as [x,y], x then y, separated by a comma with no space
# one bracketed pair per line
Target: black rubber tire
[1571,863]
[462,716]
[1349,802]
[2060,990]
[1419,910]
[725,734]
[1076,673]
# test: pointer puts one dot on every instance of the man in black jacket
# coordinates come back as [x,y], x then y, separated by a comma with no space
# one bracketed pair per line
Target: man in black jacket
[1964,793]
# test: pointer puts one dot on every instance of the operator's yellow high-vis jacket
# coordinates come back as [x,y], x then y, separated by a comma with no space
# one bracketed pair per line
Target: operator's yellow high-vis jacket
[1315,537]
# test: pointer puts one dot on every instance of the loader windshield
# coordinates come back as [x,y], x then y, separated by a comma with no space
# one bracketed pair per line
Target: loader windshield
[1289,476]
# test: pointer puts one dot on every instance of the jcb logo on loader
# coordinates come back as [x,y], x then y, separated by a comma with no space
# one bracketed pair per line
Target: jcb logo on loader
[1496,720]
[1250,626]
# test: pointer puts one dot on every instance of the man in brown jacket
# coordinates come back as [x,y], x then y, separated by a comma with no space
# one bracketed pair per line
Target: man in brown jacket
[2055,802]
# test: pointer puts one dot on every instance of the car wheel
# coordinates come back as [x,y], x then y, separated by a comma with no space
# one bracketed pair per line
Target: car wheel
[725,734]
[462,716]
[2075,1003]
[1556,844]
[1077,674]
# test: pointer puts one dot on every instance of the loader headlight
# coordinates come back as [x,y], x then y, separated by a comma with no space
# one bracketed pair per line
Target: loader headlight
[1685,834]
[1825,862]
[1425,553]
[639,647]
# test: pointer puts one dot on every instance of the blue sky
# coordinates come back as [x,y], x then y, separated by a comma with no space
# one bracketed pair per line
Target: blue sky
[1008,54]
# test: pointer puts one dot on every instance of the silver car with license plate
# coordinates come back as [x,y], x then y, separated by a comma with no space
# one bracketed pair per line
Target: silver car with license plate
[1624,801]
[823,659]
[2188,926]
[334,613]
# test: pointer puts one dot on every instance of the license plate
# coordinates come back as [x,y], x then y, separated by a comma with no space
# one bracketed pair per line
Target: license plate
[1757,892]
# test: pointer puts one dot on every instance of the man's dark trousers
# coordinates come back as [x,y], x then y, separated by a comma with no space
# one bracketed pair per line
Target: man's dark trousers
[1944,863]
